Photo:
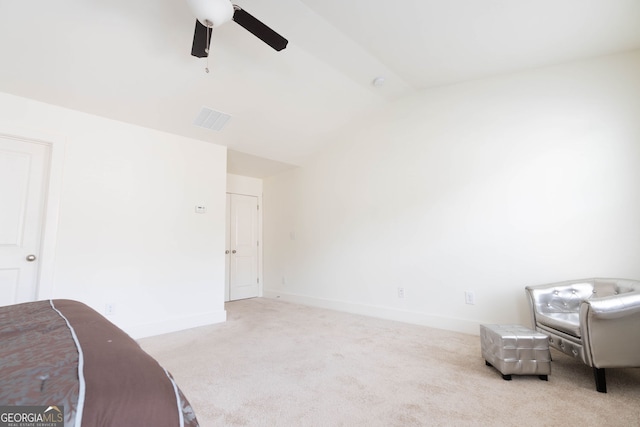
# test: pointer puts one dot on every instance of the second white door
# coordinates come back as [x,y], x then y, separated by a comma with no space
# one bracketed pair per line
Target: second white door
[242,247]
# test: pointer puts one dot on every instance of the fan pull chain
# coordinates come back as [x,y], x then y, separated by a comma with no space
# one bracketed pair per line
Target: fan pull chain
[207,48]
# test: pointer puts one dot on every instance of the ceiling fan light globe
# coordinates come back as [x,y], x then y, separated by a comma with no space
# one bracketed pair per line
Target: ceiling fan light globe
[211,13]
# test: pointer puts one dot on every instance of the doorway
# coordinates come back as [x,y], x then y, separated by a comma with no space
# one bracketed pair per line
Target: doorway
[24,178]
[242,247]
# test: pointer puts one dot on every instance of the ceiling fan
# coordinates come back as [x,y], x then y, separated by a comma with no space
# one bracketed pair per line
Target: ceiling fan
[213,13]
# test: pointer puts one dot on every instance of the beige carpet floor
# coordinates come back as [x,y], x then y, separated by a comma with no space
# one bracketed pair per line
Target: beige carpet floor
[275,363]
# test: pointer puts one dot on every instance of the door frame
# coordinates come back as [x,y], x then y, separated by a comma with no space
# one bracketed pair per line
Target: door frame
[228,230]
[247,186]
[51,212]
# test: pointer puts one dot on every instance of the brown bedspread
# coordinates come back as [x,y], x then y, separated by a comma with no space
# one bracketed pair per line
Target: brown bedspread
[110,382]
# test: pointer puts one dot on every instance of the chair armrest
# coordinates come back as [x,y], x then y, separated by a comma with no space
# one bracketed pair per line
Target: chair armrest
[611,330]
[614,306]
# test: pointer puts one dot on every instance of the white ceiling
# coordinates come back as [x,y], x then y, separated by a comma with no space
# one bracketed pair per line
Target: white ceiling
[130,60]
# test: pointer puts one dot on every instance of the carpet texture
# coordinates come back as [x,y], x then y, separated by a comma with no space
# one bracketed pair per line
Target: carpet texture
[275,363]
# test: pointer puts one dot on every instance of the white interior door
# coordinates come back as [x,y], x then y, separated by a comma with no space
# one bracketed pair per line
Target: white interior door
[23,167]
[242,245]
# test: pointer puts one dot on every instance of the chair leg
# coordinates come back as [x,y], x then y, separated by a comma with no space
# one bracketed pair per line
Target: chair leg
[601,381]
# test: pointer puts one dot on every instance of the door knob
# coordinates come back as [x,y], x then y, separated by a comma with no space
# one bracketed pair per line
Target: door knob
[31,258]
[233,251]
[226,252]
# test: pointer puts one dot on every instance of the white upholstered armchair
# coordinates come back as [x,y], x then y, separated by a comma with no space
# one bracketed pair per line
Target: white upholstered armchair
[597,321]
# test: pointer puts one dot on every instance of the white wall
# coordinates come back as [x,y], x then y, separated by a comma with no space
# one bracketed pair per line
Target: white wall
[246,185]
[127,231]
[486,186]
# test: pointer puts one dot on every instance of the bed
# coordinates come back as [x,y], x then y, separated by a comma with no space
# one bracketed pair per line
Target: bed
[63,353]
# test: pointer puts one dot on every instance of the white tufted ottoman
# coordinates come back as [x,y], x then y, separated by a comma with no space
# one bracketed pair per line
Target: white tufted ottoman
[514,349]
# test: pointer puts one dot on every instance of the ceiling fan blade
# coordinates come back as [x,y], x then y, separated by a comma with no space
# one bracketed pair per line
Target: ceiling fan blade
[201,41]
[258,29]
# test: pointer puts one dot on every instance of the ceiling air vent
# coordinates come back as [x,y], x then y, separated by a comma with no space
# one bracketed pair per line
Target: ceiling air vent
[211,119]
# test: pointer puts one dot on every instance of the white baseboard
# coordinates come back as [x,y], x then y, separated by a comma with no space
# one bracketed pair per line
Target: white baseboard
[408,316]
[176,324]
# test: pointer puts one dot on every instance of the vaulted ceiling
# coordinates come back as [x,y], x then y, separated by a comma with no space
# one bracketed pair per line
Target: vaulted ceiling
[130,60]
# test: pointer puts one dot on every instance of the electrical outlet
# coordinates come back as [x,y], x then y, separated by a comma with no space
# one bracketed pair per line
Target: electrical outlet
[110,309]
[400,292]
[469,297]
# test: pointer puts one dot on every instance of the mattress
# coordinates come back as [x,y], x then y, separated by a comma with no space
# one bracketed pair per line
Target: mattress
[64,354]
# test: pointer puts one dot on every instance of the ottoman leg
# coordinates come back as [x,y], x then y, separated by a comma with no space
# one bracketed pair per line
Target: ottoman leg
[506,377]
[543,377]
[487,363]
